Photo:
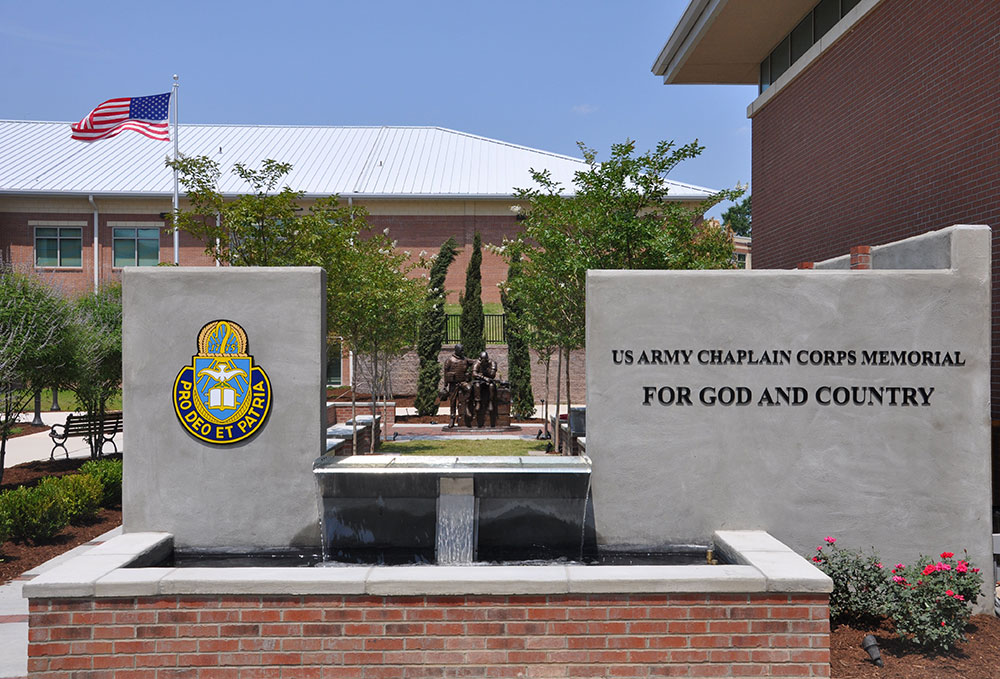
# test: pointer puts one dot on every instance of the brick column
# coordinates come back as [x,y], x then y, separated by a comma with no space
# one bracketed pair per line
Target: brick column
[861,258]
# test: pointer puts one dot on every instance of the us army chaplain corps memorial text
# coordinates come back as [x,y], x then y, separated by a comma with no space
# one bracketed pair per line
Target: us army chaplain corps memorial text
[785,394]
[806,403]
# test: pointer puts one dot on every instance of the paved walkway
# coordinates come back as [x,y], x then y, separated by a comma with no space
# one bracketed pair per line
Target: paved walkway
[38,446]
[14,612]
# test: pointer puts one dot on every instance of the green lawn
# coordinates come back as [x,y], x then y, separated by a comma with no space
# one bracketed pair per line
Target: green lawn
[458,447]
[488,308]
[67,401]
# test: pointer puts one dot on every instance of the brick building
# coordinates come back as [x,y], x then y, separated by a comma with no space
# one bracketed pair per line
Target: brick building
[423,183]
[875,120]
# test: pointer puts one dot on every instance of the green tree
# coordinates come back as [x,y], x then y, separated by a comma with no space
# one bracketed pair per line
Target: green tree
[619,216]
[96,372]
[34,345]
[372,304]
[737,217]
[472,322]
[375,306]
[522,401]
[433,329]
[265,227]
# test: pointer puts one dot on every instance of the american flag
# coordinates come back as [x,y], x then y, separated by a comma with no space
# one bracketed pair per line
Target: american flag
[145,115]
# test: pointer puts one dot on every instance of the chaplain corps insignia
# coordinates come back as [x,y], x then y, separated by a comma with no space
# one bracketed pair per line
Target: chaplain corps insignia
[222,397]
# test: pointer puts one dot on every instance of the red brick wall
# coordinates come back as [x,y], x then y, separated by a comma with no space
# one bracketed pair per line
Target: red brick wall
[406,368]
[892,132]
[231,637]
[416,233]
[17,245]
[413,233]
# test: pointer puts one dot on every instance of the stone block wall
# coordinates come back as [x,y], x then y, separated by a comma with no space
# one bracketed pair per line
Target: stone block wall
[382,637]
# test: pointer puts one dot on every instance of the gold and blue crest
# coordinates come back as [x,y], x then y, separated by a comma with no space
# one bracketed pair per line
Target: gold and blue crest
[222,397]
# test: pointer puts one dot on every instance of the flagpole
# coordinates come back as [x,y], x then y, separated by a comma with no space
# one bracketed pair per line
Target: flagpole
[176,198]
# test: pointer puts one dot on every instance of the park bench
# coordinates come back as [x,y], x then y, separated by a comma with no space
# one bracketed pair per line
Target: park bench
[86,426]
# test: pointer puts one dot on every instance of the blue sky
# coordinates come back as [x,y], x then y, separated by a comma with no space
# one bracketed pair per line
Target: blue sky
[541,73]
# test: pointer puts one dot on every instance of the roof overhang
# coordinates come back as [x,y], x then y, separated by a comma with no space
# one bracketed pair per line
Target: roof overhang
[724,41]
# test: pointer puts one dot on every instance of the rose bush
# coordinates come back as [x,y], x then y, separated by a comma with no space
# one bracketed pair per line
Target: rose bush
[930,601]
[859,582]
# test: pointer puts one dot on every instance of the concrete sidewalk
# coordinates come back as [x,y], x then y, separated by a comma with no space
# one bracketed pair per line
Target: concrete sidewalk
[14,612]
[39,446]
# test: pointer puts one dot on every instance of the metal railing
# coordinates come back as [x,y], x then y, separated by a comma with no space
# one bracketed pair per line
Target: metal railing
[494,328]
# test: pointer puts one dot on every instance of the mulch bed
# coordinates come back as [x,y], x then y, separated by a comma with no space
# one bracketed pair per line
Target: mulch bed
[977,658]
[24,429]
[15,558]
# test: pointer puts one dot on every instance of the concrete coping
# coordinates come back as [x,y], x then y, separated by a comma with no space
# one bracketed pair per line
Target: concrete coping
[332,444]
[452,465]
[760,563]
[364,419]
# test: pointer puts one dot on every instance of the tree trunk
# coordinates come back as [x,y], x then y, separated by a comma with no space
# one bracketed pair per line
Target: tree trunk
[569,401]
[387,394]
[374,385]
[354,401]
[545,409]
[569,404]
[557,437]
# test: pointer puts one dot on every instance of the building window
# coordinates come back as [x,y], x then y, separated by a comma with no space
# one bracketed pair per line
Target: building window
[334,364]
[59,246]
[136,247]
[813,26]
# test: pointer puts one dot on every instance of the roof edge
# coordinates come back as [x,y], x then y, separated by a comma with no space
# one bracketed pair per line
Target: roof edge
[166,195]
[696,18]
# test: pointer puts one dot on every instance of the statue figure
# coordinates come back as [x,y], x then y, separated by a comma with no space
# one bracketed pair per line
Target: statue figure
[457,381]
[484,374]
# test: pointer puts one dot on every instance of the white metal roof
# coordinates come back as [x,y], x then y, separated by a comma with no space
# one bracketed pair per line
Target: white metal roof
[392,162]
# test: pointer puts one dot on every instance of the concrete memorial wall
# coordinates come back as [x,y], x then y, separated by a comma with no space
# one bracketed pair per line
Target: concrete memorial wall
[805,403]
[233,469]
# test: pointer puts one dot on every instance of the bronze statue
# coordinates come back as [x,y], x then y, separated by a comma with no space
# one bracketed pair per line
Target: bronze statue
[457,380]
[484,374]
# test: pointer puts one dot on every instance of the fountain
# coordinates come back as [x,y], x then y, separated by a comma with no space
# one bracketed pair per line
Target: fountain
[273,492]
[448,510]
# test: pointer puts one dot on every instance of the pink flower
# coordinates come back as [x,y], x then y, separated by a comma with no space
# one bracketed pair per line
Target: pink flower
[820,548]
[928,569]
[878,565]
[947,555]
[949,592]
[942,567]
[898,579]
[900,566]
[962,567]
[830,540]
[960,597]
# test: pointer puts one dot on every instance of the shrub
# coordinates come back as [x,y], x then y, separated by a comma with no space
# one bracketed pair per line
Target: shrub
[860,584]
[109,473]
[930,601]
[80,495]
[4,523]
[34,514]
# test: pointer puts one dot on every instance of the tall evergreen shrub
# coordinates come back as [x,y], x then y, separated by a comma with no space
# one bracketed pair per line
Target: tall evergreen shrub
[522,400]
[433,329]
[472,320]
